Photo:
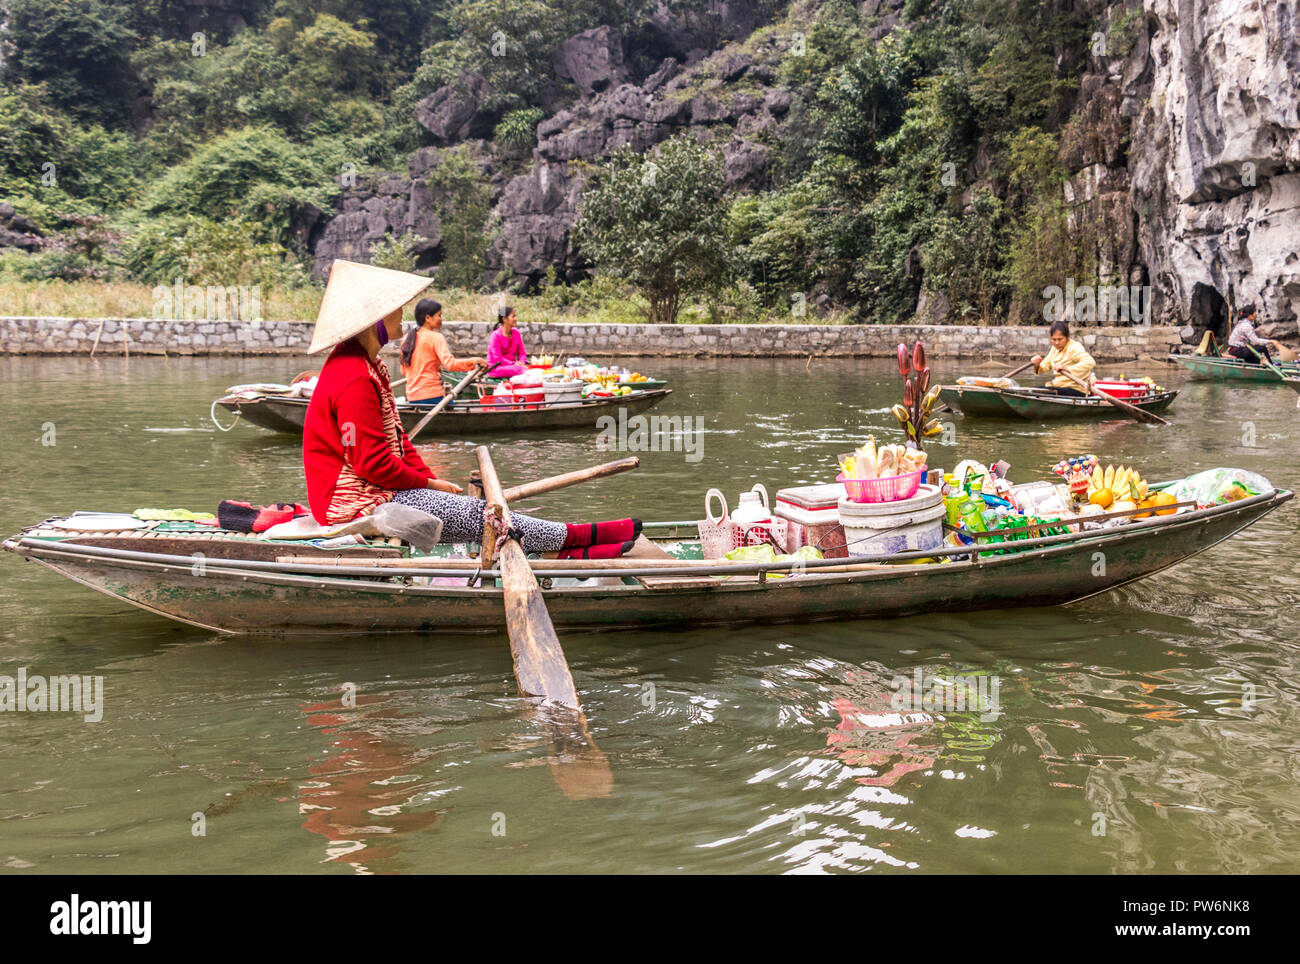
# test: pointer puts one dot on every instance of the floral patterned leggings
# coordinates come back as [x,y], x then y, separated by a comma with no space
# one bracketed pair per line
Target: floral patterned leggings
[462,520]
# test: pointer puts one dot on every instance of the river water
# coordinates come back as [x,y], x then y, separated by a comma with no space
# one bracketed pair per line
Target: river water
[1153,729]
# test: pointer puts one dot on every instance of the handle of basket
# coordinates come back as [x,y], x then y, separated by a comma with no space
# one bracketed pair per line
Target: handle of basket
[762,494]
[708,501]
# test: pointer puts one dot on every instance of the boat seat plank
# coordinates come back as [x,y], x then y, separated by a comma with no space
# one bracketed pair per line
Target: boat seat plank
[643,548]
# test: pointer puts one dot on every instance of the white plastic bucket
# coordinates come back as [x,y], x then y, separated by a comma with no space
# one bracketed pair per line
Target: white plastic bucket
[879,528]
[563,393]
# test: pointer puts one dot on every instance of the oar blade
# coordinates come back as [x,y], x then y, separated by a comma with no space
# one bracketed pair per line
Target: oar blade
[540,666]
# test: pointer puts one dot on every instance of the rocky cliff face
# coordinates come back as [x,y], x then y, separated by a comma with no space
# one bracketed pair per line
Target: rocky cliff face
[1215,156]
[1184,148]
[723,96]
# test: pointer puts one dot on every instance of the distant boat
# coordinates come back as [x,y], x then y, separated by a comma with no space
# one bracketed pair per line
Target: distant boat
[1034,404]
[287,413]
[1233,369]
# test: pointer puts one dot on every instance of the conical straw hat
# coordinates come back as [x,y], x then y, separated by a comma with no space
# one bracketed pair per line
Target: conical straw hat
[357,296]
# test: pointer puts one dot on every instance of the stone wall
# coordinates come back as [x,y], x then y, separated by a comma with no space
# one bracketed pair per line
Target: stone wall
[56,336]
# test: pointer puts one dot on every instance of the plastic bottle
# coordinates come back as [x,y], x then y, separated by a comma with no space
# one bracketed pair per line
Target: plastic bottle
[952,499]
[972,516]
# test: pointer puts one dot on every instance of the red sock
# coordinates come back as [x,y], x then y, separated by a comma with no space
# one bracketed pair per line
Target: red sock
[595,533]
[603,550]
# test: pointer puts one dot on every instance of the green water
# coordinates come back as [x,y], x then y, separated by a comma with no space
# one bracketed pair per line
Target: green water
[1129,706]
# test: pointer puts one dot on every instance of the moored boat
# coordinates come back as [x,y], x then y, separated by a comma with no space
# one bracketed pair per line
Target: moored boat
[287,413]
[977,401]
[244,584]
[1233,369]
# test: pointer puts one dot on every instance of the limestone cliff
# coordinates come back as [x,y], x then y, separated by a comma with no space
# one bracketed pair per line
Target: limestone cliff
[1215,155]
[1183,146]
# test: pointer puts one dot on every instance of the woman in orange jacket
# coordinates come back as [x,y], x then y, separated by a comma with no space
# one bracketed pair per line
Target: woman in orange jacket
[425,354]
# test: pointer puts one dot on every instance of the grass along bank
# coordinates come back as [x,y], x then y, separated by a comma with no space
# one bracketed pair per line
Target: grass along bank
[599,301]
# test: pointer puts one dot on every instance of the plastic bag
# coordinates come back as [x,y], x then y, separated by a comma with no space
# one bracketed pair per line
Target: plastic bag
[765,553]
[1215,486]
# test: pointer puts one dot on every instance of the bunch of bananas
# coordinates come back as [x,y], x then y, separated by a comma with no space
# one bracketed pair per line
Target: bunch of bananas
[1116,484]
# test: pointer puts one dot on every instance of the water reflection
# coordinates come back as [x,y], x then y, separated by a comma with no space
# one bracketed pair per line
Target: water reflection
[365,789]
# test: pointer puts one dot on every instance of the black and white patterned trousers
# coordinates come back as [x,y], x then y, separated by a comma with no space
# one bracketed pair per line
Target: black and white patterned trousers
[462,520]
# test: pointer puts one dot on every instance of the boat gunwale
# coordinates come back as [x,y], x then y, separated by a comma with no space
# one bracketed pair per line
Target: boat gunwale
[1230,364]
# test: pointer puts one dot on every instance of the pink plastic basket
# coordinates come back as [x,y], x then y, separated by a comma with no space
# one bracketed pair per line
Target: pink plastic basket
[893,488]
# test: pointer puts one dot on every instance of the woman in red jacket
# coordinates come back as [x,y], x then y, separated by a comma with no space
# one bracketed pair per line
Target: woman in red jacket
[355,453]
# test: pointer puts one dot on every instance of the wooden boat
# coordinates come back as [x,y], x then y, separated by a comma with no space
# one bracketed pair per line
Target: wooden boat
[281,413]
[244,584]
[1233,369]
[976,401]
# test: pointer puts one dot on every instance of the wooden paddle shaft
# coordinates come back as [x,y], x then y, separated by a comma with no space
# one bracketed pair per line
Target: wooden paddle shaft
[1017,371]
[540,666]
[1139,414]
[551,483]
[446,400]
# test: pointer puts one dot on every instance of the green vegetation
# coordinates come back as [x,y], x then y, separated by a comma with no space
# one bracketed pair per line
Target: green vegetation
[658,221]
[920,167]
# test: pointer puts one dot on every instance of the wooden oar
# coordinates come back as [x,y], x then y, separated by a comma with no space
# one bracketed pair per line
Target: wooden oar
[476,373]
[578,766]
[1264,361]
[553,482]
[1142,416]
[540,666]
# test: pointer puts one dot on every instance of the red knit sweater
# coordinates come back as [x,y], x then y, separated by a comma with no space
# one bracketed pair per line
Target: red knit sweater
[347,395]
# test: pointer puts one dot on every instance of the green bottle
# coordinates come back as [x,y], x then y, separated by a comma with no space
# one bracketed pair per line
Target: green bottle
[952,500]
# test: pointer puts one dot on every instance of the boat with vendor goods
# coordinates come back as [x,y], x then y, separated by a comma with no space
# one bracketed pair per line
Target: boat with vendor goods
[1235,370]
[1003,398]
[233,582]
[891,536]
[504,411]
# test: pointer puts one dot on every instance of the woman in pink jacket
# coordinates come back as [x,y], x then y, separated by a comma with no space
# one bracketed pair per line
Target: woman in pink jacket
[506,356]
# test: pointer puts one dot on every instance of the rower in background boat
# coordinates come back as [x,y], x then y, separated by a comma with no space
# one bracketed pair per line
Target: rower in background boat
[1066,355]
[1245,344]
[506,346]
[425,353]
[357,457]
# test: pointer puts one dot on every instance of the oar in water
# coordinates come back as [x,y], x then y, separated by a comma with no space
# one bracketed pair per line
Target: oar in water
[478,372]
[540,666]
[1142,416]
[578,766]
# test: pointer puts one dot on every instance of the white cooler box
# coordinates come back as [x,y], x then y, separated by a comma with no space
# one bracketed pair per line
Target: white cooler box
[812,512]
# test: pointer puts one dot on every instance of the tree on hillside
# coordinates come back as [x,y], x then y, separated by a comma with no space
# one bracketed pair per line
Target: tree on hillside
[659,222]
[78,49]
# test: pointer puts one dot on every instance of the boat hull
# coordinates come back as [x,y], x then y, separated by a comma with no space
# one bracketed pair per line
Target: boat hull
[1233,370]
[221,596]
[981,402]
[463,418]
[1046,407]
